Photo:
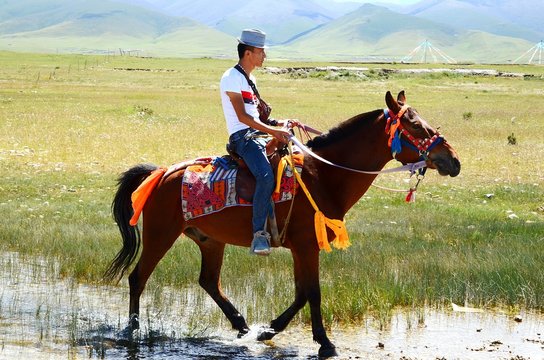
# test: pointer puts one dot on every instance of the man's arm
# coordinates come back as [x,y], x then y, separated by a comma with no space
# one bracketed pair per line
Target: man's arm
[239,107]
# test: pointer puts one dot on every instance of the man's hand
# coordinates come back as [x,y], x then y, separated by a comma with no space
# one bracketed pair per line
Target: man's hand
[281,135]
[290,123]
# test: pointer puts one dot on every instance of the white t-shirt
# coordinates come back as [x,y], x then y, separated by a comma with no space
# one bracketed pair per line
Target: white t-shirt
[233,81]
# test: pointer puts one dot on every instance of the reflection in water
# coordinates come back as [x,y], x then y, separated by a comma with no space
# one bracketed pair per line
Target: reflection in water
[45,317]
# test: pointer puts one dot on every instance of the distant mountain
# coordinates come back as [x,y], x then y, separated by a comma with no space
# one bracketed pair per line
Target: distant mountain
[337,9]
[467,30]
[369,31]
[280,19]
[525,13]
[98,26]
[62,17]
[377,32]
[208,12]
[523,18]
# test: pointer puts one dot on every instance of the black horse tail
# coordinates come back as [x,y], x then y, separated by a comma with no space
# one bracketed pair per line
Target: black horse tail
[122,212]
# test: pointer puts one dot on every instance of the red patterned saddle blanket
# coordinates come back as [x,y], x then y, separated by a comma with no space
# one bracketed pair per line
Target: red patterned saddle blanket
[208,187]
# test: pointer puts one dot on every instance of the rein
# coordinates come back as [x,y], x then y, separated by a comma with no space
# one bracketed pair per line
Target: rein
[411,167]
[394,128]
[420,166]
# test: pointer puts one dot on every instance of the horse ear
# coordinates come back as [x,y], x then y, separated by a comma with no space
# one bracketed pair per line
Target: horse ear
[391,103]
[401,98]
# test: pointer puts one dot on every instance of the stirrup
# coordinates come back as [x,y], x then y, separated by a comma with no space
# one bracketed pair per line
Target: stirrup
[272,223]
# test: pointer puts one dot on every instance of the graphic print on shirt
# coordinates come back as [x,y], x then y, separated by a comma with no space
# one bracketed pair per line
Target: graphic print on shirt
[249,98]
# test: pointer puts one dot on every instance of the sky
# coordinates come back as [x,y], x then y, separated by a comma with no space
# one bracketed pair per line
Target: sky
[398,2]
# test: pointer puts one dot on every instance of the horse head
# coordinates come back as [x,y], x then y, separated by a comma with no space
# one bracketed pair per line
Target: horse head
[408,130]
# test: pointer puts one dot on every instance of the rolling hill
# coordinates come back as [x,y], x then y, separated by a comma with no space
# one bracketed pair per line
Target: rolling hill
[100,26]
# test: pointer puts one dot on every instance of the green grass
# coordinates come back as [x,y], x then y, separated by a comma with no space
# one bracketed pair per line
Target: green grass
[70,124]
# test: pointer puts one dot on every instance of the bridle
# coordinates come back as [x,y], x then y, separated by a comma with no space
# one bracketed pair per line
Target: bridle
[395,129]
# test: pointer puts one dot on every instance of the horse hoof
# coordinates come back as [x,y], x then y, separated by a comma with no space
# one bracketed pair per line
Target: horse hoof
[327,352]
[134,322]
[242,333]
[266,334]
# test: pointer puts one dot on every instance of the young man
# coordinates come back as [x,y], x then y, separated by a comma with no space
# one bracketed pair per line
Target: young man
[242,116]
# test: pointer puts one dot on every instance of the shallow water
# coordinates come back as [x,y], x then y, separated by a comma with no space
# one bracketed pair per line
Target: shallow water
[45,317]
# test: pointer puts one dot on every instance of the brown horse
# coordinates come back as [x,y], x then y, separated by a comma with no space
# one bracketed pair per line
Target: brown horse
[359,143]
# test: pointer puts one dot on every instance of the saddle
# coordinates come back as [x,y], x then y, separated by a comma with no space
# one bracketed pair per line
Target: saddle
[211,184]
[245,181]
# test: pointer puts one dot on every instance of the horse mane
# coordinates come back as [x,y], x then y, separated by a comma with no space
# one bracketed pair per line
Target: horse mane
[342,130]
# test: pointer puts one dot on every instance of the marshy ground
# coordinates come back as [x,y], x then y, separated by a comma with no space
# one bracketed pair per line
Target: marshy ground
[69,124]
[44,316]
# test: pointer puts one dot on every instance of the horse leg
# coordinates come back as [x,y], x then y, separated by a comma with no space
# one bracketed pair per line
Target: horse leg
[210,270]
[156,242]
[309,261]
[280,323]
[306,264]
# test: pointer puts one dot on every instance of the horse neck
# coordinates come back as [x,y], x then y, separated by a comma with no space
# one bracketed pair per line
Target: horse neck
[364,149]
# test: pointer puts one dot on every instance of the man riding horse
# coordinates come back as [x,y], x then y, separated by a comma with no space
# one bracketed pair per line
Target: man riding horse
[241,100]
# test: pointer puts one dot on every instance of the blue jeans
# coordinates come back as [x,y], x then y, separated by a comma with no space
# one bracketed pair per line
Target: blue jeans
[253,151]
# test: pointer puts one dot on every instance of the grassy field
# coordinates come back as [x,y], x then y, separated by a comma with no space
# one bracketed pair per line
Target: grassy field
[70,124]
